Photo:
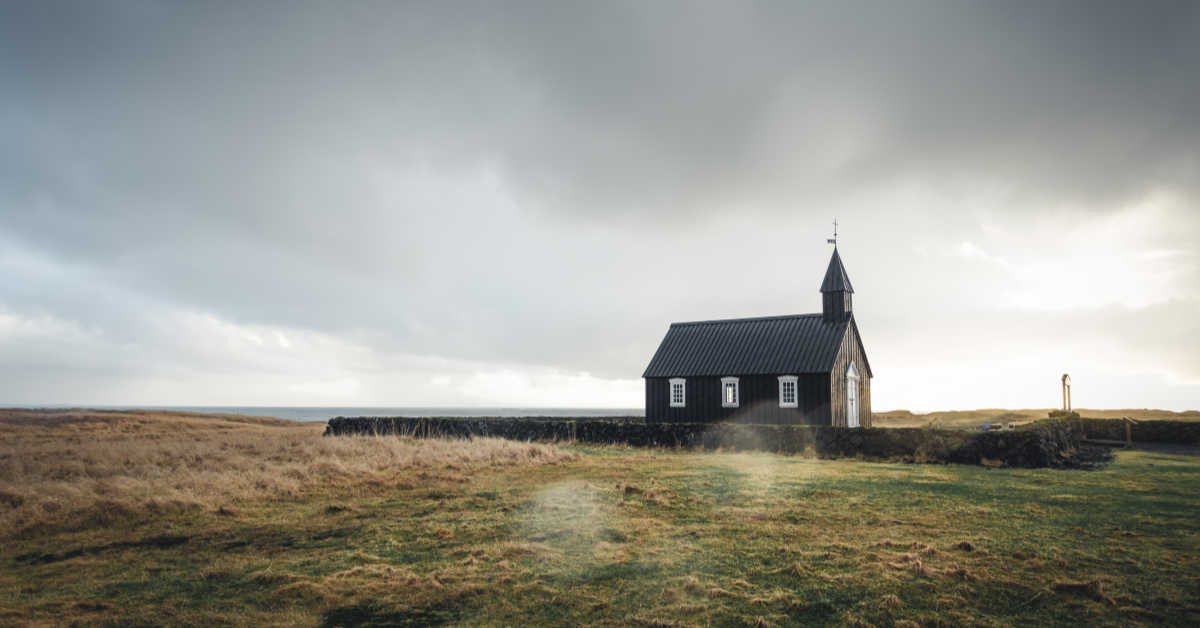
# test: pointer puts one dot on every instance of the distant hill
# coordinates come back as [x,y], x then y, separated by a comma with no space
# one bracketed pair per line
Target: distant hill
[976,418]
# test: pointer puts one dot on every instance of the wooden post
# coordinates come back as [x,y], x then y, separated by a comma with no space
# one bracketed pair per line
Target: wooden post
[1128,433]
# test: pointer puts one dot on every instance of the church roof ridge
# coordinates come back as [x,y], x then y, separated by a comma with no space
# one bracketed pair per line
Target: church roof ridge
[720,321]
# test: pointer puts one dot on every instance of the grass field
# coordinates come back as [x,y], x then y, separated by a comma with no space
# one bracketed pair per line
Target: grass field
[151,518]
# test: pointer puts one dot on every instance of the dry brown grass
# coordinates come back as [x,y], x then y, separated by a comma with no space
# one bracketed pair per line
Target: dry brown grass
[101,466]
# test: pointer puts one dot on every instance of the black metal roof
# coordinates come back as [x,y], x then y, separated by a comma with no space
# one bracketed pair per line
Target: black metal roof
[800,343]
[836,279]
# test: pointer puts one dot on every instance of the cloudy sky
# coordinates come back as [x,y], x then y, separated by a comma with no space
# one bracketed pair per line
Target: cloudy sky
[506,204]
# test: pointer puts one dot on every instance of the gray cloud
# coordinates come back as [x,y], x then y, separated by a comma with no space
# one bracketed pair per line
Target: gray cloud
[516,184]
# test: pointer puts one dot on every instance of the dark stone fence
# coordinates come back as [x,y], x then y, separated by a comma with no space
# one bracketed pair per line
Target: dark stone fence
[1051,445]
[1174,432]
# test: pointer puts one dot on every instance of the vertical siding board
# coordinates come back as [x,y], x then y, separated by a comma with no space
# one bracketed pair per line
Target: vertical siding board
[837,386]
[864,382]
[712,399]
[850,350]
[653,411]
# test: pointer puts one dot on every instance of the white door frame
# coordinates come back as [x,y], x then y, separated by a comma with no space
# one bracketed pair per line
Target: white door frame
[852,396]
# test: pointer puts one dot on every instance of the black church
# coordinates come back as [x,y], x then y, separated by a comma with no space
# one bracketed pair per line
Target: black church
[802,368]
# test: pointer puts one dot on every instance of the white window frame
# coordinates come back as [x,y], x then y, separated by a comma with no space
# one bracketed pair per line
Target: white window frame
[794,380]
[682,383]
[852,399]
[737,393]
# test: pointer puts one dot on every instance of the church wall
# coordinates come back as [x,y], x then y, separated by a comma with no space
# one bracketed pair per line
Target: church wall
[850,350]
[759,401]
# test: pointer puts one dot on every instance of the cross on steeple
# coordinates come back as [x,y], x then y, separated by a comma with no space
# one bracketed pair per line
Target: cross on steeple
[833,240]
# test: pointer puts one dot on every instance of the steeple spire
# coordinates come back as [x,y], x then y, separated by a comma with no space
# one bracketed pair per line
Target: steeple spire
[836,291]
[836,279]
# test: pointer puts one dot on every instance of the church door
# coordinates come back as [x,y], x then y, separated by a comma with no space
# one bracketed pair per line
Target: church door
[852,396]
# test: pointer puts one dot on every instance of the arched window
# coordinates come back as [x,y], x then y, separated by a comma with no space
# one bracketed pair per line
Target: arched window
[851,396]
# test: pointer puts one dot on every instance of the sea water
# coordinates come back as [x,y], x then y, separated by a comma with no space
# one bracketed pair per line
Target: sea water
[324,413]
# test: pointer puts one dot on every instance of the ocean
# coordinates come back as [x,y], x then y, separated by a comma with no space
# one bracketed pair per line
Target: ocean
[321,413]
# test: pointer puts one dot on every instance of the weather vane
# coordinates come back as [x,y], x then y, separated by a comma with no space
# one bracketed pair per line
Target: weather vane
[833,240]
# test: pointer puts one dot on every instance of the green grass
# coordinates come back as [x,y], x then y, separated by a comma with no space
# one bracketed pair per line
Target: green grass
[631,537]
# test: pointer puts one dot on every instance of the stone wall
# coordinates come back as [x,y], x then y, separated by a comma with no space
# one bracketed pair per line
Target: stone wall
[1050,445]
[1174,432]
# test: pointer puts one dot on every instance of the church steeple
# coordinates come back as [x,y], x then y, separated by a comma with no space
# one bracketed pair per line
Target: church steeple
[836,291]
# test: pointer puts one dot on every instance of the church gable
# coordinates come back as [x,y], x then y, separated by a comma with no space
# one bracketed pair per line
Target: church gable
[850,370]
